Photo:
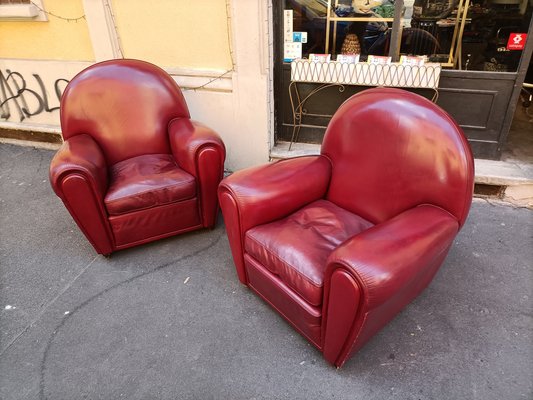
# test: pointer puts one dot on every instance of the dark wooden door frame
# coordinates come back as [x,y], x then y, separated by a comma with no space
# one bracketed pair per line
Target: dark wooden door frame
[519,80]
[508,113]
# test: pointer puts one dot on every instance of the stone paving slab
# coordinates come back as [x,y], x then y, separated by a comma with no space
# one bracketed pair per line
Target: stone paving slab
[169,320]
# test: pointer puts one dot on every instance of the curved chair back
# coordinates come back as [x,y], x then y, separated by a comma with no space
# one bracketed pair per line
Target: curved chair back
[125,105]
[392,150]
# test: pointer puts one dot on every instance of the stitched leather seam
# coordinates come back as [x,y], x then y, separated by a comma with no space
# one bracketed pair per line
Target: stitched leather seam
[149,191]
[367,282]
[122,213]
[317,285]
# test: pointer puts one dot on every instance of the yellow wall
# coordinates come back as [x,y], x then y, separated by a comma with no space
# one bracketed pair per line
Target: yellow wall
[175,33]
[55,39]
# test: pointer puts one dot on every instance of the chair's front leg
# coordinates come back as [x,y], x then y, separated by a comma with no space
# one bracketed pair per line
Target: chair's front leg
[78,176]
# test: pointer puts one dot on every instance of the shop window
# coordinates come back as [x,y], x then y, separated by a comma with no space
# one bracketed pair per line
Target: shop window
[491,33]
[480,35]
[358,27]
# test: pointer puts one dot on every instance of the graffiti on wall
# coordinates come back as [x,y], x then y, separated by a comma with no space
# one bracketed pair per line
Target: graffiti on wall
[24,97]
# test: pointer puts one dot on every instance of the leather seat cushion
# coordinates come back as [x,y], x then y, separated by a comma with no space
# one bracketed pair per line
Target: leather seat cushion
[147,181]
[296,248]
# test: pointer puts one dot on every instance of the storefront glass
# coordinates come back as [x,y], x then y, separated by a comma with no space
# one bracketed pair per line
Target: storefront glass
[480,35]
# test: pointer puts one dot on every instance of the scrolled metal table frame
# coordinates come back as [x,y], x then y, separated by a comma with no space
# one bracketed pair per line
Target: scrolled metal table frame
[299,111]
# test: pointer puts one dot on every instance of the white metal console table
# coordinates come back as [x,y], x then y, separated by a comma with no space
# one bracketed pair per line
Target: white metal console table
[336,74]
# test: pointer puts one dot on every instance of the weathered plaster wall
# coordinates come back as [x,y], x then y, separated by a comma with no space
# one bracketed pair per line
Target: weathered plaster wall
[175,33]
[55,39]
[237,105]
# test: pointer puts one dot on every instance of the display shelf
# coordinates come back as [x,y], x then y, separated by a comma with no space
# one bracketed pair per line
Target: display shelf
[334,74]
[363,74]
[331,17]
[363,19]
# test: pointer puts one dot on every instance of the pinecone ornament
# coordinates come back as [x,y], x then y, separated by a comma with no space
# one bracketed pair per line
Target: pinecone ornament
[351,44]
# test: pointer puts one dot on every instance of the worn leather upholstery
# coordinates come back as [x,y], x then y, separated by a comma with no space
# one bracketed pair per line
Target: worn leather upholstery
[146,181]
[133,166]
[341,242]
[283,247]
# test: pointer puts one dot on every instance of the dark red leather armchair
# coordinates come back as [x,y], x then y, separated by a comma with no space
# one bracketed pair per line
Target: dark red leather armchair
[341,242]
[133,166]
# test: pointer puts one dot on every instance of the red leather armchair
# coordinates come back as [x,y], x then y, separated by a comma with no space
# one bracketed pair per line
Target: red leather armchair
[133,166]
[341,242]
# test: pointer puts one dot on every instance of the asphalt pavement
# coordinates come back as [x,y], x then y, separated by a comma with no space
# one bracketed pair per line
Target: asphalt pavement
[169,320]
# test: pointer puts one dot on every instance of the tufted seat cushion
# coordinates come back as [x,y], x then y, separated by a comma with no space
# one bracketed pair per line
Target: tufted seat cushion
[296,248]
[147,181]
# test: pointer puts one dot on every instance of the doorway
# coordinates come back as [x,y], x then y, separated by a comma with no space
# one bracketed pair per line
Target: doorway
[480,87]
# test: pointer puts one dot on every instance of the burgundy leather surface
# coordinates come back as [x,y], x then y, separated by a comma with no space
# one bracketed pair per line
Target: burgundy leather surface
[80,154]
[78,175]
[87,211]
[125,105]
[263,194]
[209,176]
[304,317]
[200,152]
[147,181]
[188,138]
[343,305]
[387,256]
[155,223]
[408,152]
[389,157]
[230,211]
[390,260]
[269,192]
[115,120]
[369,323]
[296,248]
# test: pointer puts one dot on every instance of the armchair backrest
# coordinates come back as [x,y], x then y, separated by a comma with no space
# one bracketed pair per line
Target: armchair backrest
[392,150]
[125,105]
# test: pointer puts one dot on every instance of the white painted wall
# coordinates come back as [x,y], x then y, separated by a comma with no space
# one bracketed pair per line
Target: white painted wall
[237,106]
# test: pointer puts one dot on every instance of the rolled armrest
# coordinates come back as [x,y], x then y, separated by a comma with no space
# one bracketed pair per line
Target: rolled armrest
[200,151]
[384,258]
[188,138]
[78,175]
[263,194]
[374,275]
[80,155]
[272,191]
